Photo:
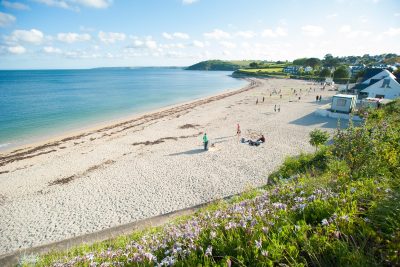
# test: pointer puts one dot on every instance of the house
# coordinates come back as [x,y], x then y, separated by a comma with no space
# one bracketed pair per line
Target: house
[370,76]
[308,69]
[343,103]
[291,70]
[354,70]
[386,87]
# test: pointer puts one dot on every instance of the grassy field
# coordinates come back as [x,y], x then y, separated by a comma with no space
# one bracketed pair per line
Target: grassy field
[337,207]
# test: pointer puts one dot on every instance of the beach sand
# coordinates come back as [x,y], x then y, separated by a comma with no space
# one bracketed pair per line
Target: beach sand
[152,164]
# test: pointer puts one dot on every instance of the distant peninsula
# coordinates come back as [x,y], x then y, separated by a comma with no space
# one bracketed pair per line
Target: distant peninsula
[220,65]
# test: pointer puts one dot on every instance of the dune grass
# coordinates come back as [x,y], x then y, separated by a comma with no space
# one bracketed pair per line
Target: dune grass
[339,206]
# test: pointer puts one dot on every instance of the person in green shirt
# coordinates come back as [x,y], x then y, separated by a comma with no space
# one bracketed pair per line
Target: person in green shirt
[205,141]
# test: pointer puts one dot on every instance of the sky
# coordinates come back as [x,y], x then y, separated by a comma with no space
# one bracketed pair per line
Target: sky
[65,34]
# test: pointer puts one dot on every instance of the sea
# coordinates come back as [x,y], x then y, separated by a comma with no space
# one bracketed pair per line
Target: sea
[36,105]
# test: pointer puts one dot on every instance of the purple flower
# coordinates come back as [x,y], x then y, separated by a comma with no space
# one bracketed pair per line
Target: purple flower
[258,244]
[208,251]
[324,222]
[264,253]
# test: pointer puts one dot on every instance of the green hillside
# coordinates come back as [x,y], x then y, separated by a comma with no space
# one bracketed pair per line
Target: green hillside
[221,65]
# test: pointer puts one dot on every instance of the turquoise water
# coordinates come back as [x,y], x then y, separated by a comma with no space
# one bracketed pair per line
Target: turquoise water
[42,103]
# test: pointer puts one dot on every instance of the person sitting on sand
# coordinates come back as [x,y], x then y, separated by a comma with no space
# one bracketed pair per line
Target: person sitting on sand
[261,139]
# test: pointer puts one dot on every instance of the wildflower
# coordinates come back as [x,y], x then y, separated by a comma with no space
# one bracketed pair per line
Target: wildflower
[209,251]
[264,253]
[213,234]
[388,190]
[366,220]
[324,222]
[311,198]
[228,263]
[345,217]
[258,244]
[352,190]
[265,230]
[297,228]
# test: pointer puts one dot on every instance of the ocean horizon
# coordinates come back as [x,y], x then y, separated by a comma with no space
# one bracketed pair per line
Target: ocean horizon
[36,105]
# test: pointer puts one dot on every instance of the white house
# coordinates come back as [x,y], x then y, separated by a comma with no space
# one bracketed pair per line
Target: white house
[381,75]
[343,103]
[308,69]
[387,88]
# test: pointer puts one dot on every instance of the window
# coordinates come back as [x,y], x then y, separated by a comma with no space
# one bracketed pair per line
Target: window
[341,102]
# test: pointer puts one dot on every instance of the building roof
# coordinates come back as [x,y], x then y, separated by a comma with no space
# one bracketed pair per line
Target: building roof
[369,73]
[344,96]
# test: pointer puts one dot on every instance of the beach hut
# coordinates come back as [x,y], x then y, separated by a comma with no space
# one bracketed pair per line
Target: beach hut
[343,103]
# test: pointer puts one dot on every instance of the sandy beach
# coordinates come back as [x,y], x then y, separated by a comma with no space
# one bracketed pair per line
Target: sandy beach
[153,163]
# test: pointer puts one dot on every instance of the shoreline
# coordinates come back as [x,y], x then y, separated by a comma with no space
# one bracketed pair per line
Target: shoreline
[113,123]
[153,164]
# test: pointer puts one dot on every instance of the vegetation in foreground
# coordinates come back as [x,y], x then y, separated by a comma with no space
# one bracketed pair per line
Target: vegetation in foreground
[337,207]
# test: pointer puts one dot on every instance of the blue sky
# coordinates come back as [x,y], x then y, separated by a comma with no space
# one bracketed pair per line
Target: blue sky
[37,34]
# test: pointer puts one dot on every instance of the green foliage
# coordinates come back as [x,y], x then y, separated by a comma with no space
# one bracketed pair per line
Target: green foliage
[318,137]
[341,72]
[325,73]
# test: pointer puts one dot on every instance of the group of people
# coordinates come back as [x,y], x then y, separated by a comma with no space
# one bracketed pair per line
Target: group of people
[249,141]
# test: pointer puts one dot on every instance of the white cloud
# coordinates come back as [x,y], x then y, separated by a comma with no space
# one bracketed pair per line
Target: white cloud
[16,49]
[6,19]
[188,2]
[397,14]
[72,37]
[392,32]
[312,30]
[51,50]
[228,45]
[217,34]
[147,43]
[198,44]
[245,34]
[74,4]
[167,36]
[345,29]
[278,32]
[32,36]
[181,35]
[55,3]
[178,35]
[226,53]
[111,37]
[95,3]
[14,5]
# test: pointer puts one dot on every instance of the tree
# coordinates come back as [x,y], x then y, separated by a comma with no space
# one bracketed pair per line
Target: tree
[300,62]
[313,62]
[325,73]
[253,65]
[341,73]
[330,61]
[318,137]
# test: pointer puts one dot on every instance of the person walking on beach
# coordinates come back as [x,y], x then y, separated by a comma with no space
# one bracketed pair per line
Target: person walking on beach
[257,101]
[263,99]
[279,108]
[275,108]
[205,141]
[317,98]
[320,98]
[238,132]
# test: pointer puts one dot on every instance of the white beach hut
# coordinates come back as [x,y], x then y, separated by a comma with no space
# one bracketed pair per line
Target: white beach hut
[343,103]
